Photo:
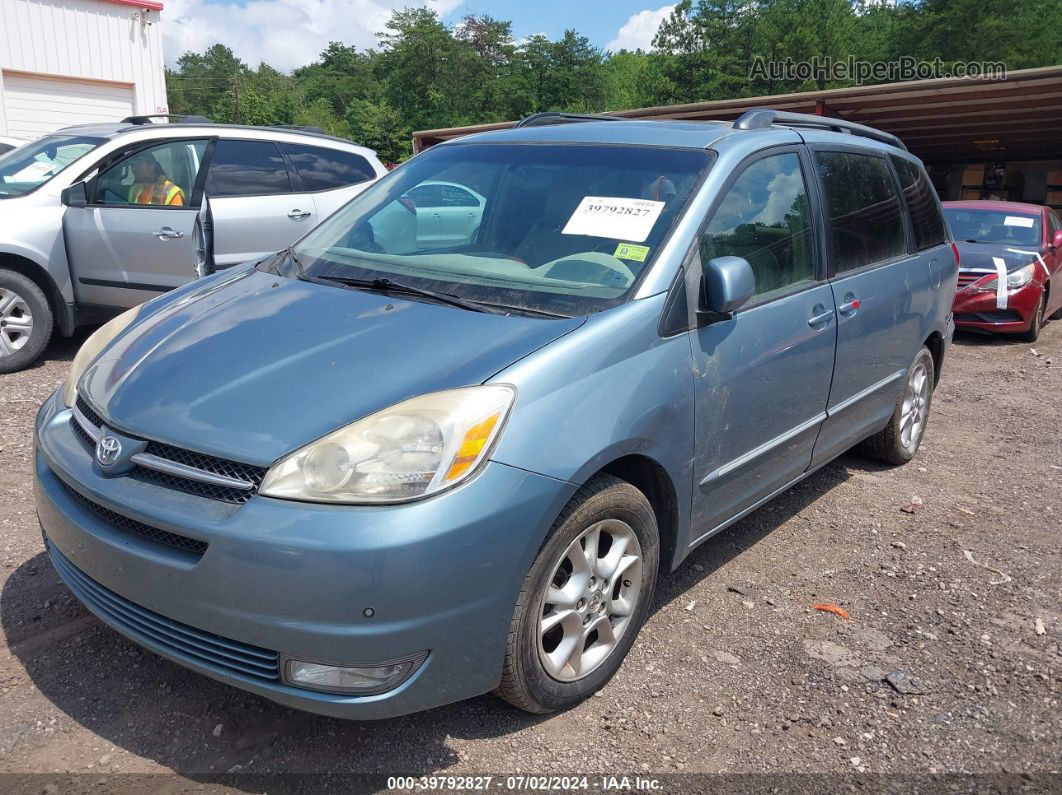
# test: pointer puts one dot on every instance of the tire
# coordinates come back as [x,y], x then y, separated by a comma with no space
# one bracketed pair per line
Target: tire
[25,321]
[1037,322]
[891,444]
[614,510]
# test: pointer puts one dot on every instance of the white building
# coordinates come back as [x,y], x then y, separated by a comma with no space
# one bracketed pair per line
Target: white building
[66,62]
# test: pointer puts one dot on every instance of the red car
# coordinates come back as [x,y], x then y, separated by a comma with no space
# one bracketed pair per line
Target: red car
[1010,255]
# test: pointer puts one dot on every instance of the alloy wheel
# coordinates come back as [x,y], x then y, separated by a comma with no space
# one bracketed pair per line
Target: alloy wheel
[590,600]
[915,407]
[16,322]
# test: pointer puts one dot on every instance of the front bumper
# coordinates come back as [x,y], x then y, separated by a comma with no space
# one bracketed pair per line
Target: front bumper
[978,310]
[294,579]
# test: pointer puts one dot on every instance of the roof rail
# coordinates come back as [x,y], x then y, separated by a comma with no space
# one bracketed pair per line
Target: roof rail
[762,118]
[299,128]
[181,118]
[554,117]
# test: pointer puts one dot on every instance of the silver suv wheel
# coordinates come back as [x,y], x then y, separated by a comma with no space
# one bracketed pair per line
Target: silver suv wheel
[16,322]
[915,407]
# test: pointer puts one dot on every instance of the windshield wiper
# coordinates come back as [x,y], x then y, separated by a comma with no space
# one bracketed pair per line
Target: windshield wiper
[521,309]
[387,285]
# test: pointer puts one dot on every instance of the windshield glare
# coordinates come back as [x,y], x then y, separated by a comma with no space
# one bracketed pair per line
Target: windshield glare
[994,226]
[560,229]
[27,168]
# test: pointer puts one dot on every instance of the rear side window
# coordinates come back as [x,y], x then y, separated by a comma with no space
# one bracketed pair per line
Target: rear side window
[764,217]
[926,219]
[328,169]
[863,208]
[442,195]
[247,168]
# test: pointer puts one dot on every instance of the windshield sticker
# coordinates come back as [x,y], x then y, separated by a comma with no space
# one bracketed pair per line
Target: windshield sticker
[618,218]
[34,171]
[631,252]
[1019,220]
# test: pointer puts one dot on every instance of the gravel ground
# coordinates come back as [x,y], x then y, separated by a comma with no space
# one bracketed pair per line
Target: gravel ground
[945,664]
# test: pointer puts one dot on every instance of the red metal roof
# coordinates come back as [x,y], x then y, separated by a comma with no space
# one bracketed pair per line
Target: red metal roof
[991,204]
[152,5]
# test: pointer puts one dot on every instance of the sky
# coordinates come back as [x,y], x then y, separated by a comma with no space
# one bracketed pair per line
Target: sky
[291,33]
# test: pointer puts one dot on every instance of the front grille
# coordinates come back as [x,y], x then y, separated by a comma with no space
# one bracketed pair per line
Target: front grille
[966,279]
[89,413]
[164,634]
[998,316]
[207,463]
[139,529]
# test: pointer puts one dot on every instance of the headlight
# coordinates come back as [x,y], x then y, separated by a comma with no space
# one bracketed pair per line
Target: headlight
[91,349]
[1015,279]
[410,450]
[1021,277]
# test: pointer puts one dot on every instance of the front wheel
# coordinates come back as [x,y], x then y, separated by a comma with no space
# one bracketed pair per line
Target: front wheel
[1037,321]
[25,321]
[584,600]
[898,441]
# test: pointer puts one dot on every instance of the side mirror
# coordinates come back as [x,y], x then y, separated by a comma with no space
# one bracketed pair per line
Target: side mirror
[726,284]
[75,195]
[1056,241]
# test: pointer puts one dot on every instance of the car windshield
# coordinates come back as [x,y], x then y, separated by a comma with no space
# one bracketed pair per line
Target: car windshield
[994,226]
[564,230]
[27,168]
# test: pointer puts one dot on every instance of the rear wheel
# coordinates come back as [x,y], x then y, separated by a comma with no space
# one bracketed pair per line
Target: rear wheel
[1033,333]
[584,600]
[25,321]
[898,441]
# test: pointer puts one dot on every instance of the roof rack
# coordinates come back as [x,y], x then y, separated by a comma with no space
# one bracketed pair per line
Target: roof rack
[181,118]
[762,118]
[299,128]
[554,117]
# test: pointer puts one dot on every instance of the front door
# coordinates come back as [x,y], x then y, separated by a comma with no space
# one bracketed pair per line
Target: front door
[762,376]
[138,235]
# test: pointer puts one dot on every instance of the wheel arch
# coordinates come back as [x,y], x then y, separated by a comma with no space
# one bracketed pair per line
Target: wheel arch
[62,312]
[653,480]
[935,343]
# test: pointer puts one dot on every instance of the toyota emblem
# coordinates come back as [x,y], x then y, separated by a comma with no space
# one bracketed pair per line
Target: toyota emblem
[107,450]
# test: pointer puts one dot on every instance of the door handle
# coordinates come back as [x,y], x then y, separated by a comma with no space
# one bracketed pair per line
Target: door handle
[850,305]
[167,234]
[822,317]
[299,215]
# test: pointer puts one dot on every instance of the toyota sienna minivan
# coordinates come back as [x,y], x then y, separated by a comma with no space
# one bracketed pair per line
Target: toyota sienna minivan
[375,473]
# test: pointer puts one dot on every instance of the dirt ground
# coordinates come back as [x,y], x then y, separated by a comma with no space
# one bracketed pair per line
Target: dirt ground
[951,660]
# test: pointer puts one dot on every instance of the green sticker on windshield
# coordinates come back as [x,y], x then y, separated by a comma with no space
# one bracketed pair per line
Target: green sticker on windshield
[631,251]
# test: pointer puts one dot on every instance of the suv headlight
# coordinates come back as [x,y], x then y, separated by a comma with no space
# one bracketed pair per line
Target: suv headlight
[410,450]
[91,349]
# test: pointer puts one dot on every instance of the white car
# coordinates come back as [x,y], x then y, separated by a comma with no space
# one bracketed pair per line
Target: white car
[7,143]
[445,214]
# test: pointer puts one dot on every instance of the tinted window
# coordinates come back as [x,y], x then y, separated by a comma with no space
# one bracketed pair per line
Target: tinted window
[247,168]
[328,169]
[863,208]
[765,218]
[926,219]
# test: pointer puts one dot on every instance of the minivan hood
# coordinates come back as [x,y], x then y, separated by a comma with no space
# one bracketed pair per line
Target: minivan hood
[981,256]
[255,367]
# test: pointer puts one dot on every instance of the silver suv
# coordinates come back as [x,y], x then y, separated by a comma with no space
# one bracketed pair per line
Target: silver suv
[98,218]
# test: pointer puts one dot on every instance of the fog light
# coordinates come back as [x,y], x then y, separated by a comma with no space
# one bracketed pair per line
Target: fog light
[360,680]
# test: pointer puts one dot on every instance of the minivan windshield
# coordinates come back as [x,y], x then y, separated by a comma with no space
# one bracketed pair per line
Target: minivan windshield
[994,226]
[27,168]
[557,229]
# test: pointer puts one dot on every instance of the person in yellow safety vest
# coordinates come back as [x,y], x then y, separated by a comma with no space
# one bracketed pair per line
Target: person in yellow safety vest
[151,185]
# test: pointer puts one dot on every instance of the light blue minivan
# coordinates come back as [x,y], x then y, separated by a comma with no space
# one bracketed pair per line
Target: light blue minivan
[449,441]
